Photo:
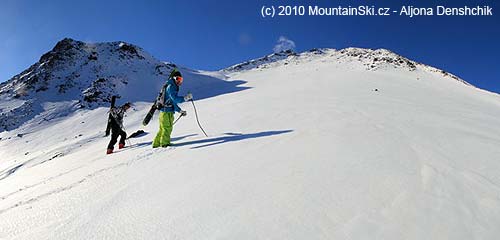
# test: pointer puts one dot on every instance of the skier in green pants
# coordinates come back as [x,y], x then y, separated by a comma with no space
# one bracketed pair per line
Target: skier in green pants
[168,101]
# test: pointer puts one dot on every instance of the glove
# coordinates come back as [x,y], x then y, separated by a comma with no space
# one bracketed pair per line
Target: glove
[183,113]
[188,97]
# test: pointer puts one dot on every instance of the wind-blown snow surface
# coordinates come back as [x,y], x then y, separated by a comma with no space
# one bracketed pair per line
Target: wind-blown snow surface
[308,151]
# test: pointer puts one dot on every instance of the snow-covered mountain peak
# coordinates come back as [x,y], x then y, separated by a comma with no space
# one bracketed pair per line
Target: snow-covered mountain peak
[352,57]
[75,75]
[62,67]
[82,75]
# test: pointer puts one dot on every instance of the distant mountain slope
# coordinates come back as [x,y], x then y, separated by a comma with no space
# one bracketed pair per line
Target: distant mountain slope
[81,74]
[77,75]
[371,59]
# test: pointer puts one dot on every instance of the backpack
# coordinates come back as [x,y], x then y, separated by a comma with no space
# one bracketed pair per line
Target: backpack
[160,100]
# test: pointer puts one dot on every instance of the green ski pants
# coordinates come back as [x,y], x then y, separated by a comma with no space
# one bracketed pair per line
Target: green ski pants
[166,126]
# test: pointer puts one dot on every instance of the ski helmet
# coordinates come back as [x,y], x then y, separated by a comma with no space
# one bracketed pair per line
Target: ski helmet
[176,73]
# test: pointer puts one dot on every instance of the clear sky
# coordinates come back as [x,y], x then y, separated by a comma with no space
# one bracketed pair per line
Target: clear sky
[211,35]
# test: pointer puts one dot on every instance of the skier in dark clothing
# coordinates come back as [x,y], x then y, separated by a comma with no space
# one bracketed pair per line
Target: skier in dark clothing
[117,127]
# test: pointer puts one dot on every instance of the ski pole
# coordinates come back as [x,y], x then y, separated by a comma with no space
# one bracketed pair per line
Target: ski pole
[177,119]
[127,140]
[198,121]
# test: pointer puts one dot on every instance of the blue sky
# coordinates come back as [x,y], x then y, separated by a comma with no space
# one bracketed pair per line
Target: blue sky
[211,35]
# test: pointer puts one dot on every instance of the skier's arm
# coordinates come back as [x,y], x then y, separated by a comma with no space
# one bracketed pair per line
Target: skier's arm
[172,94]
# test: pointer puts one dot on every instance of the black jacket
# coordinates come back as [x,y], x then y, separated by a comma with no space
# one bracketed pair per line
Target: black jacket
[117,117]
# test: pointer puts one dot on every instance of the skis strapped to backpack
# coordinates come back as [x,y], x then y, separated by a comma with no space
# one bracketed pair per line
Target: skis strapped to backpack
[108,127]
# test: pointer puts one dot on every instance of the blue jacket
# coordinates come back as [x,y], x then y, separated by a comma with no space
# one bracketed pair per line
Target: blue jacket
[171,98]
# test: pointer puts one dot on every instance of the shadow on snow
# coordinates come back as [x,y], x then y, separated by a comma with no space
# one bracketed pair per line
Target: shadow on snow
[150,143]
[229,137]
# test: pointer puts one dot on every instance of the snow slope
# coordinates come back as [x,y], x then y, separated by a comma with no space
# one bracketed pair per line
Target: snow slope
[317,145]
